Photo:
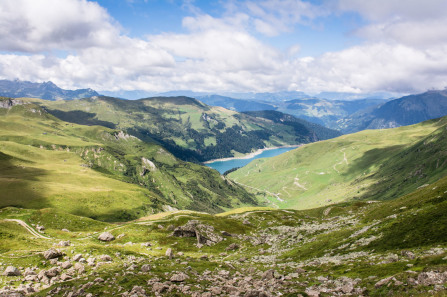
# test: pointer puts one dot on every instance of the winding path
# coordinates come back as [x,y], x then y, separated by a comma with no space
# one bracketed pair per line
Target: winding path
[27,227]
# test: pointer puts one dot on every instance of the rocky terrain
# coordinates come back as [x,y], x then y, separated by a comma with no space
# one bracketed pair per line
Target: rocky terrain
[394,248]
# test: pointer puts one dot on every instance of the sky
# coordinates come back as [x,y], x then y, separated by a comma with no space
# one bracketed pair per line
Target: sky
[358,46]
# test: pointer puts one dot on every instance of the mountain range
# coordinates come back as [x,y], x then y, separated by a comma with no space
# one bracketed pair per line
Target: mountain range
[46,90]
[188,128]
[96,200]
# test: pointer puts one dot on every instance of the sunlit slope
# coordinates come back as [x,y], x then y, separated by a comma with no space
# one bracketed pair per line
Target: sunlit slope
[98,172]
[372,164]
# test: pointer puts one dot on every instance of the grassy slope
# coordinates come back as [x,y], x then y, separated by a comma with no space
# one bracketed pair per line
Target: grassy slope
[185,126]
[415,222]
[45,162]
[372,164]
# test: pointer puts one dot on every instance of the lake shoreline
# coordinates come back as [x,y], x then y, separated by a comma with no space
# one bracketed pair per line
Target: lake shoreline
[251,155]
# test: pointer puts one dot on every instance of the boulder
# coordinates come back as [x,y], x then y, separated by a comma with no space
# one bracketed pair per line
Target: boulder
[204,233]
[12,271]
[64,243]
[77,257]
[169,253]
[432,278]
[179,277]
[52,254]
[145,268]
[232,247]
[66,265]
[105,258]
[106,236]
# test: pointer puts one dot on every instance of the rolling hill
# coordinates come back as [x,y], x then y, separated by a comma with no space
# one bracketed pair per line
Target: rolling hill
[404,111]
[98,172]
[188,128]
[46,90]
[368,165]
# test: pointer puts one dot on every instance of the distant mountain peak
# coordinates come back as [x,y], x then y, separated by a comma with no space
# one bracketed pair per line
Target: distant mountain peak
[46,90]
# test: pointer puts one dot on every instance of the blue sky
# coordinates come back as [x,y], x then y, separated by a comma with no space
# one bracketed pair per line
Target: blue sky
[227,46]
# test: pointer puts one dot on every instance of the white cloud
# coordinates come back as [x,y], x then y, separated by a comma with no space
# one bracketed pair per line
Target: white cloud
[33,26]
[272,17]
[414,22]
[219,54]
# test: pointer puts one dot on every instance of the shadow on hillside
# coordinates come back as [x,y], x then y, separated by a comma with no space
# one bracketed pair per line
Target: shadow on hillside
[377,158]
[18,187]
[80,117]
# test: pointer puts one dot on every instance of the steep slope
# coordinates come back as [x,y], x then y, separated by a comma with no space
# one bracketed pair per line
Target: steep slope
[404,111]
[186,127]
[98,172]
[46,90]
[372,164]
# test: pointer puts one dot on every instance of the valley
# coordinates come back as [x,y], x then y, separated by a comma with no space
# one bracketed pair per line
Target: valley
[88,208]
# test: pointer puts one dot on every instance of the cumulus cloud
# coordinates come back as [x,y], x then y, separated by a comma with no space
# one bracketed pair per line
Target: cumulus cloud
[218,54]
[33,26]
[414,23]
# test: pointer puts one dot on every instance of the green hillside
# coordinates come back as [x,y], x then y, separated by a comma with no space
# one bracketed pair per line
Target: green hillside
[372,164]
[186,127]
[98,172]
[390,248]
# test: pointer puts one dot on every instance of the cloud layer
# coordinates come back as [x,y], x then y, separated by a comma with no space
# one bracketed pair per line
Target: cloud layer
[76,43]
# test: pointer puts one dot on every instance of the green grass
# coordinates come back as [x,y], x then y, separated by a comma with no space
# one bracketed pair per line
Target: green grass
[90,171]
[372,164]
[188,128]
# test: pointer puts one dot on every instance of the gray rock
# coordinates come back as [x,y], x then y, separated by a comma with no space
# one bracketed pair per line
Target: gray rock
[169,253]
[106,236]
[52,254]
[432,278]
[12,271]
[179,277]
[105,258]
[77,257]
[145,268]
[64,243]
[204,233]
[232,247]
[66,265]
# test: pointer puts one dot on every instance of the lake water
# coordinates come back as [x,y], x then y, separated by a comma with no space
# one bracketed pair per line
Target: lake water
[223,166]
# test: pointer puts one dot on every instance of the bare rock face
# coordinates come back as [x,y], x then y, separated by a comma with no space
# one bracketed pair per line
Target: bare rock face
[106,236]
[205,234]
[10,103]
[52,254]
[12,271]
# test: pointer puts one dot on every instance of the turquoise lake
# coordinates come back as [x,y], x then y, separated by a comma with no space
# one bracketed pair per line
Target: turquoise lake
[223,166]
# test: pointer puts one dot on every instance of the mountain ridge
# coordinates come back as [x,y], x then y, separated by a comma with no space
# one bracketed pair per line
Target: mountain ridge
[185,126]
[45,90]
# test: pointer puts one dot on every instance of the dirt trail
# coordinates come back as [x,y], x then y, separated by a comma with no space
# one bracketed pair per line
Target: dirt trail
[28,228]
[270,193]
[345,160]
